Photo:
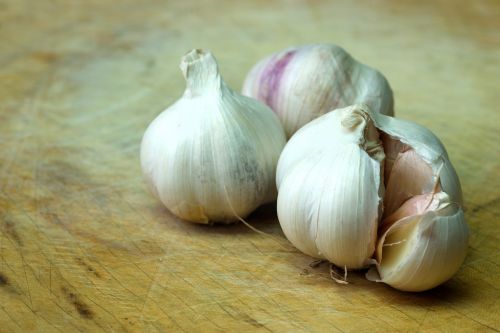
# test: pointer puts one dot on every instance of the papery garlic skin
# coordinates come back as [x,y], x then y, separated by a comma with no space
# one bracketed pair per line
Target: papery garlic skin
[421,251]
[302,83]
[212,155]
[329,202]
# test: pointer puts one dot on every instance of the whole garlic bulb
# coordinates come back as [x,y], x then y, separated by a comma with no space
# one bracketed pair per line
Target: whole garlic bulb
[422,235]
[302,83]
[213,153]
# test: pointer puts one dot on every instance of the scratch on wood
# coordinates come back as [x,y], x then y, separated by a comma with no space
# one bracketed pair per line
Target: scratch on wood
[52,217]
[6,285]
[485,206]
[26,278]
[10,229]
[88,267]
[253,321]
[240,315]
[80,306]
[63,176]
[10,317]
[423,320]
[153,281]
[3,280]
[44,56]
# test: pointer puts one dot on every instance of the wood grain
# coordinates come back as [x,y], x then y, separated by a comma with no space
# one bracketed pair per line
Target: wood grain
[84,246]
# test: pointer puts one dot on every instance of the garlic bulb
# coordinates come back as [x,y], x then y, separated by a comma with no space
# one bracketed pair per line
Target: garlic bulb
[422,237]
[212,155]
[302,83]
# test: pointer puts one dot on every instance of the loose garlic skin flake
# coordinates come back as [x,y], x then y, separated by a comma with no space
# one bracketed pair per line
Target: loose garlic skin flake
[422,234]
[213,153]
[303,83]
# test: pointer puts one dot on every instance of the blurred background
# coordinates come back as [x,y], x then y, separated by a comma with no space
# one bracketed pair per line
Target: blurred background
[108,59]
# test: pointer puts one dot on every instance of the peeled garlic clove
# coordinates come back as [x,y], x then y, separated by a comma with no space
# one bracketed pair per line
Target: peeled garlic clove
[212,154]
[303,83]
[423,250]
[329,201]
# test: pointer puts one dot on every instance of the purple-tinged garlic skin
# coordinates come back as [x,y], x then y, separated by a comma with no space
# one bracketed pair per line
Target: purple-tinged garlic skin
[302,83]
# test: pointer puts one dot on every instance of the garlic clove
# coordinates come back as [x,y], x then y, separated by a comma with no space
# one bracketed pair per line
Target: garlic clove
[414,206]
[325,220]
[409,176]
[353,207]
[329,200]
[302,83]
[295,205]
[212,155]
[419,252]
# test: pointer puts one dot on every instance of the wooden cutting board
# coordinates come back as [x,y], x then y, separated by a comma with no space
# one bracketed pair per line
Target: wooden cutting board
[85,247]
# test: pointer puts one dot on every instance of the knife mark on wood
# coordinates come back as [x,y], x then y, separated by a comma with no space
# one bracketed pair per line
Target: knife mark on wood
[64,177]
[246,318]
[9,228]
[80,306]
[89,268]
[485,206]
[45,56]
[52,217]
[6,285]
[240,315]
[4,281]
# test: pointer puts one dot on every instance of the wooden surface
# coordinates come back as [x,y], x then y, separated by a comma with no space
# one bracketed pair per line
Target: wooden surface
[85,247]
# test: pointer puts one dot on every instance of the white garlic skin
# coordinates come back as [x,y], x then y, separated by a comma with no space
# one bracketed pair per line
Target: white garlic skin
[213,153]
[304,82]
[329,200]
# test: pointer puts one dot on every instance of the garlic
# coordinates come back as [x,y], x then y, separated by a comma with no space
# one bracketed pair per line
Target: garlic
[424,237]
[329,198]
[424,246]
[302,83]
[404,184]
[212,155]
